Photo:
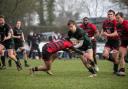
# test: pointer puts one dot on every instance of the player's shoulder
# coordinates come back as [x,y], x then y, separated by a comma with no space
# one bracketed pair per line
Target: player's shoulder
[81,25]
[114,21]
[106,20]
[125,22]
[7,25]
[79,30]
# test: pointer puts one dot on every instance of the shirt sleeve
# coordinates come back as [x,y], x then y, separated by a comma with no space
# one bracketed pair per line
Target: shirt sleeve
[93,27]
[115,23]
[125,25]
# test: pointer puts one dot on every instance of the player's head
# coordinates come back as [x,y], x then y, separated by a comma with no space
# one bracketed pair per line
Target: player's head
[2,20]
[34,34]
[18,24]
[119,17]
[85,20]
[111,14]
[71,25]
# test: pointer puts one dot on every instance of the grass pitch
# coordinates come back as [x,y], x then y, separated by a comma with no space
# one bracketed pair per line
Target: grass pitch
[68,74]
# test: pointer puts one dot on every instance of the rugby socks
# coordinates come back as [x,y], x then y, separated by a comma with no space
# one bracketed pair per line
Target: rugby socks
[26,63]
[3,60]
[9,62]
[92,70]
[35,69]
[91,63]
[115,68]
[17,57]
[92,67]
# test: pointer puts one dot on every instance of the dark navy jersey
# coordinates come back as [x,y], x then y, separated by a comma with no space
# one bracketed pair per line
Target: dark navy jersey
[17,32]
[35,39]
[4,30]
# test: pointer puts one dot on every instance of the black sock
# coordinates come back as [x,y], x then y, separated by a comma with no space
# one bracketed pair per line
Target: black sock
[3,60]
[91,63]
[115,68]
[17,63]
[35,69]
[25,62]
[17,57]
[92,70]
[10,62]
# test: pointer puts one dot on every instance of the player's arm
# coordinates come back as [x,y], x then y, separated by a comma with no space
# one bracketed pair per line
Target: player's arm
[80,42]
[18,37]
[22,36]
[95,30]
[115,33]
[76,50]
[9,35]
[112,34]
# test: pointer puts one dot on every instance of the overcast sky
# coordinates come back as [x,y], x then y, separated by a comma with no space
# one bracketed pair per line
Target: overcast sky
[102,7]
[78,6]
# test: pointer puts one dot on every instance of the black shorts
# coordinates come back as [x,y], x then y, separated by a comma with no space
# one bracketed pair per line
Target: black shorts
[124,43]
[45,54]
[85,48]
[8,44]
[18,45]
[112,44]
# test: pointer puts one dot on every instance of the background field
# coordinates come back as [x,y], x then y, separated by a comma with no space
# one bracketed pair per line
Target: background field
[68,74]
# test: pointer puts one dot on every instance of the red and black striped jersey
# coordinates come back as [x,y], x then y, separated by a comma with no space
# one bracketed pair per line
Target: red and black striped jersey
[58,45]
[122,30]
[89,28]
[109,26]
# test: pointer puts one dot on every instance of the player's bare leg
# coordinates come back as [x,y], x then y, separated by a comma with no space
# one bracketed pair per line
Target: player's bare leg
[123,52]
[13,57]
[88,62]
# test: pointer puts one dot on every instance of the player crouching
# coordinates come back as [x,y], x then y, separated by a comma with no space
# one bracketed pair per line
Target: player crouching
[49,51]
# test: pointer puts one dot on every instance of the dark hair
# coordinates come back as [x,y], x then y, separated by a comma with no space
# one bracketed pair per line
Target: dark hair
[120,14]
[85,18]
[2,16]
[111,11]
[71,22]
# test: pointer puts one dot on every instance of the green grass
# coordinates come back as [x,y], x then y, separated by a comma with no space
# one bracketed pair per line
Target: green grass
[68,74]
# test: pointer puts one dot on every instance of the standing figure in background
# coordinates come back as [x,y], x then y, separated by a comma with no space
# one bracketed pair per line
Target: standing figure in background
[92,32]
[35,45]
[19,41]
